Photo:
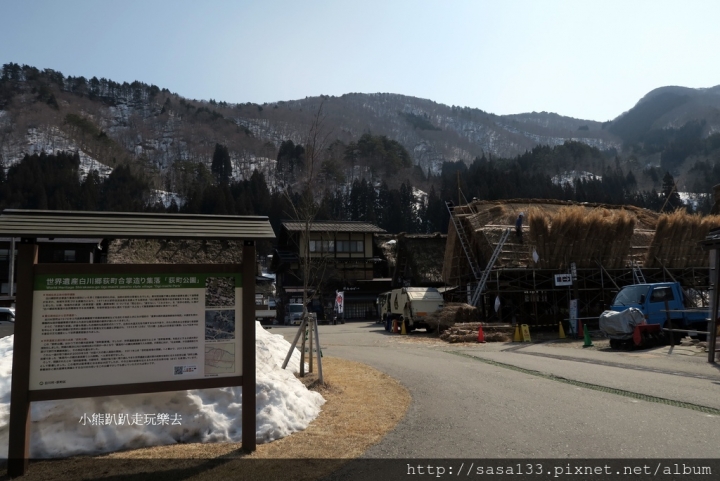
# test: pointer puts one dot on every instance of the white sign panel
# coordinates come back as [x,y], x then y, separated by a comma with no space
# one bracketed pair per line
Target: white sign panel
[563,280]
[94,330]
[573,315]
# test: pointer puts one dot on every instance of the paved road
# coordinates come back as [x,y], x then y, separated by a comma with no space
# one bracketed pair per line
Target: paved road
[483,401]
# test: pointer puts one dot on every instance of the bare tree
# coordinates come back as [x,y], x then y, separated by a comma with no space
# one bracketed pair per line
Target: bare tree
[305,211]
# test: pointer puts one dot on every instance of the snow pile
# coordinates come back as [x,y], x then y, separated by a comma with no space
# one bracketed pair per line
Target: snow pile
[71,427]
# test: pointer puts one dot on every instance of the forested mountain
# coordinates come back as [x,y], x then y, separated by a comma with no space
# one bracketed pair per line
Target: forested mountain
[72,142]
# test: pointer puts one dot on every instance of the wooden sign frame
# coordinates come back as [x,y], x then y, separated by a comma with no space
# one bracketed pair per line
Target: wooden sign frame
[21,394]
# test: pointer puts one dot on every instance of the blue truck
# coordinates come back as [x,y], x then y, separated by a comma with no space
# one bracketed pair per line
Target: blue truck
[650,300]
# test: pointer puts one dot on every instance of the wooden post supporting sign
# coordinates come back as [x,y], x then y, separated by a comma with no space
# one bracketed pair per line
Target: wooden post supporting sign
[249,403]
[19,435]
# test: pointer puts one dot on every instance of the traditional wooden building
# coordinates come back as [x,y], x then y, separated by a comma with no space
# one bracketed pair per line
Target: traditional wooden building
[338,256]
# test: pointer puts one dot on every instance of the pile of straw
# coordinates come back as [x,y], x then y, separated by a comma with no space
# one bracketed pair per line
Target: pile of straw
[675,243]
[469,333]
[451,314]
[576,234]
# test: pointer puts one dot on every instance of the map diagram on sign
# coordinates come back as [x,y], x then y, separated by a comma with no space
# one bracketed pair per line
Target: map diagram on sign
[219,358]
[219,325]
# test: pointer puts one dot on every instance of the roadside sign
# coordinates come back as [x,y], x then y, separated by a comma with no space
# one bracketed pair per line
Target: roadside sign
[563,279]
[573,315]
[573,270]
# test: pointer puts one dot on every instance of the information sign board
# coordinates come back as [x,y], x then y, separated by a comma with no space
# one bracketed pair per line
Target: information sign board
[111,328]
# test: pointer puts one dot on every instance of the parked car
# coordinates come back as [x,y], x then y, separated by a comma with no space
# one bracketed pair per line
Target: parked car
[7,316]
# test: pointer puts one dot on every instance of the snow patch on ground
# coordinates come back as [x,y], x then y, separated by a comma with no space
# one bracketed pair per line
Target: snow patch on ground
[284,406]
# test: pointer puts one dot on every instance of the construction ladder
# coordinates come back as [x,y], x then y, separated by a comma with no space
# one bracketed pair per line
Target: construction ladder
[464,242]
[638,276]
[486,273]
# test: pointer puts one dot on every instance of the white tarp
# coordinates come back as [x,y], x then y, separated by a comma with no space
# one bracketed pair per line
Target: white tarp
[620,325]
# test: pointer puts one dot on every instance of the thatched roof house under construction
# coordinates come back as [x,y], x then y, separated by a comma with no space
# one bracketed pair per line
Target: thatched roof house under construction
[611,246]
[563,232]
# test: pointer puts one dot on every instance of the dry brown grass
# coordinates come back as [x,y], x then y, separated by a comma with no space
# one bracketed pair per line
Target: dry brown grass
[589,232]
[576,234]
[362,405]
[675,243]
[453,313]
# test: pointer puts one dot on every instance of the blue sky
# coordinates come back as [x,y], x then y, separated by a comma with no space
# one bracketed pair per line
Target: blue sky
[585,59]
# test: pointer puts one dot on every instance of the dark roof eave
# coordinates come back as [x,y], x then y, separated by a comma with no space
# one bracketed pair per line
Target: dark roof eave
[337,226]
[125,225]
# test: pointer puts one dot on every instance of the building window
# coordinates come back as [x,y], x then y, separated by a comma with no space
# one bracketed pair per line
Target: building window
[4,255]
[662,293]
[322,246]
[350,246]
[64,255]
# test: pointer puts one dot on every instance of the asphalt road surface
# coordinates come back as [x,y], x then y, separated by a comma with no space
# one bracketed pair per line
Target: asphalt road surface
[504,400]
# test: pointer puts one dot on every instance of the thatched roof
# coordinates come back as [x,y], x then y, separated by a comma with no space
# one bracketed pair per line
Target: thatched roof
[156,251]
[420,258]
[559,231]
[504,212]
[413,258]
[387,243]
[675,243]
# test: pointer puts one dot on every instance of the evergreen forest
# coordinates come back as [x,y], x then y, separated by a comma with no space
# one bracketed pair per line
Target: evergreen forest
[54,181]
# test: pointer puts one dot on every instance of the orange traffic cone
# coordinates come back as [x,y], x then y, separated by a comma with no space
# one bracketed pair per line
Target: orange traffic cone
[481,334]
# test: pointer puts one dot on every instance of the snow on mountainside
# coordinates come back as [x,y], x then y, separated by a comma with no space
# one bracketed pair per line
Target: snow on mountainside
[139,122]
[568,178]
[48,140]
[168,134]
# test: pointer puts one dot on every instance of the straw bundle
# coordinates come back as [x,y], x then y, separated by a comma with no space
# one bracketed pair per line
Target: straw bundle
[453,313]
[539,223]
[576,234]
[675,243]
[560,231]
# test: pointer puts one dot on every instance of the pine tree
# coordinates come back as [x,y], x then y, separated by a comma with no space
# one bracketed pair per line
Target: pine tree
[221,166]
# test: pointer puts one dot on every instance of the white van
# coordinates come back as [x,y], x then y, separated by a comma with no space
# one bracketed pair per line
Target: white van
[414,304]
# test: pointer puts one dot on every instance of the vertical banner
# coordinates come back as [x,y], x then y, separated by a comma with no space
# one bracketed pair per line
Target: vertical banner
[573,315]
[340,301]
